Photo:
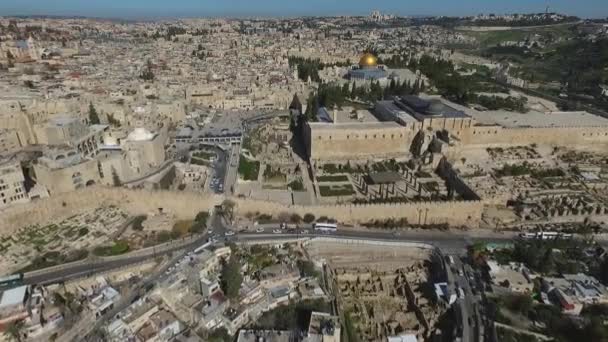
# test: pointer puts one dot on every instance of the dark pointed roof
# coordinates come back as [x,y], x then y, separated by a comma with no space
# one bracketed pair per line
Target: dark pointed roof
[295,103]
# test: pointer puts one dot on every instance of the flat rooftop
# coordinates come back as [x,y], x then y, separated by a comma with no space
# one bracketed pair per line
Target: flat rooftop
[538,119]
[354,125]
[345,115]
[397,111]
[429,107]
[13,296]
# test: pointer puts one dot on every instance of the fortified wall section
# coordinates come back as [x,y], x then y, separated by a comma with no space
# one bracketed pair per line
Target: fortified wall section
[186,205]
[61,206]
[560,136]
[423,213]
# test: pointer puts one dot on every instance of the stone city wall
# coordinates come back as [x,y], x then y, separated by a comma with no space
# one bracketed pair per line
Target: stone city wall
[348,143]
[61,206]
[185,205]
[424,213]
[561,136]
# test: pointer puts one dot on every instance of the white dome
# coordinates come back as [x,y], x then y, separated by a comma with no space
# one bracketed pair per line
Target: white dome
[140,134]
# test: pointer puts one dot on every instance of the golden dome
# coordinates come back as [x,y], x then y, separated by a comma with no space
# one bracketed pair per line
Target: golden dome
[368,60]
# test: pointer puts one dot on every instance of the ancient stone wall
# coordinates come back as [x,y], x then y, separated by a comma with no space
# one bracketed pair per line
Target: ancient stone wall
[560,136]
[186,205]
[357,142]
[58,207]
[424,213]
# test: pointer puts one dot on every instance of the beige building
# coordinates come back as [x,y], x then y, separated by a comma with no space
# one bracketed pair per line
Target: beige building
[71,131]
[396,124]
[144,150]
[12,188]
[9,141]
[350,134]
[348,141]
[63,169]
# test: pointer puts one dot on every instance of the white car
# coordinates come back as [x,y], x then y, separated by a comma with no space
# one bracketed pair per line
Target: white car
[304,231]
[229,233]
[276,231]
[259,230]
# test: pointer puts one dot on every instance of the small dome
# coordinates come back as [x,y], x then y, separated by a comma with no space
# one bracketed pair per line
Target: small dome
[368,60]
[140,134]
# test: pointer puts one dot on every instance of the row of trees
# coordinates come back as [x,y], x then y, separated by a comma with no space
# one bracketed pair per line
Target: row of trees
[307,68]
[330,95]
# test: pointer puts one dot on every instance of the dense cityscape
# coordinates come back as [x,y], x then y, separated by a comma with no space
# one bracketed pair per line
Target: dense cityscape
[349,178]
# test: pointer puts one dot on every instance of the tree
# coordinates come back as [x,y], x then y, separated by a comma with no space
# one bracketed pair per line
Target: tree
[15,330]
[307,268]
[309,218]
[115,178]
[231,277]
[295,219]
[200,222]
[284,216]
[147,74]
[93,117]
[137,223]
[228,207]
[219,335]
[112,121]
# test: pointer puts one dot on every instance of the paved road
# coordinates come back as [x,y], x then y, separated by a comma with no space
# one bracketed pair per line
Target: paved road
[450,242]
[98,266]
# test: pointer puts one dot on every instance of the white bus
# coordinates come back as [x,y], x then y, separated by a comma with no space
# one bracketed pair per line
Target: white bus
[325,227]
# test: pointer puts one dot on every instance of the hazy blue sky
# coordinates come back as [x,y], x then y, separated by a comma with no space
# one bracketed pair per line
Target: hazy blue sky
[143,8]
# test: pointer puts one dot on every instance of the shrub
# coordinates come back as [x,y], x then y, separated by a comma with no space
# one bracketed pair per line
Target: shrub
[308,218]
[137,222]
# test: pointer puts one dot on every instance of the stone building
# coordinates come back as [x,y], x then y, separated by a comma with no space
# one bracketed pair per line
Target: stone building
[63,169]
[9,141]
[346,141]
[12,188]
[144,150]
[368,69]
[71,131]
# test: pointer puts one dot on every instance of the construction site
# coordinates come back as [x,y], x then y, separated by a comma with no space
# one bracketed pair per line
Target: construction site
[380,289]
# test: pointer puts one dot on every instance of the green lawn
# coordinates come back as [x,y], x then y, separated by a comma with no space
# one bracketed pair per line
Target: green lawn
[119,247]
[248,169]
[338,190]
[203,155]
[336,178]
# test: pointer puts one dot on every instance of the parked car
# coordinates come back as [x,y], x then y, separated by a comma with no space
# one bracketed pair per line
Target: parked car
[259,230]
[276,231]
[229,233]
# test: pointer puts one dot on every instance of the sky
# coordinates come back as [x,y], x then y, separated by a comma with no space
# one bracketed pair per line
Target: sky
[209,8]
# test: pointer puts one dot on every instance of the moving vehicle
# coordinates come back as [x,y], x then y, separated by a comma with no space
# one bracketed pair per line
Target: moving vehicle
[276,231]
[325,227]
[259,230]
[545,235]
[229,233]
